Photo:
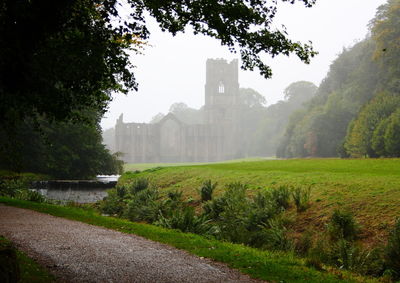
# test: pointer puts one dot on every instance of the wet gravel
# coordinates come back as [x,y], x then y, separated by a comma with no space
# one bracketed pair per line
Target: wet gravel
[78,252]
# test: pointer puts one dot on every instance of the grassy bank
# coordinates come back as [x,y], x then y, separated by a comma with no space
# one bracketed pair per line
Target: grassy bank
[28,270]
[272,266]
[367,187]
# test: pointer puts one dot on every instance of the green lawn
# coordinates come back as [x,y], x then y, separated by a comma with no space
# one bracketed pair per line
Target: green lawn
[368,187]
[145,166]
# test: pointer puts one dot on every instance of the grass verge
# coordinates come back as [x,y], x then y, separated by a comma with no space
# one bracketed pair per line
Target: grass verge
[271,266]
[29,270]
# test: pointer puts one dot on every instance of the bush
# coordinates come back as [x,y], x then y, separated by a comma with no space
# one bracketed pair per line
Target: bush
[144,206]
[121,191]
[186,220]
[262,210]
[138,185]
[342,225]
[349,256]
[304,244]
[276,238]
[10,187]
[301,198]
[113,203]
[30,195]
[175,196]
[392,251]
[281,197]
[320,253]
[206,190]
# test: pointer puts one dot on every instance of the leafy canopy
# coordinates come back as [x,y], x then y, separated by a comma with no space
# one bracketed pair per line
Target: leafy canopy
[60,57]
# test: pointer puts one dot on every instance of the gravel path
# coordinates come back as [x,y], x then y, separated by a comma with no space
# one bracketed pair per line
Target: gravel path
[78,252]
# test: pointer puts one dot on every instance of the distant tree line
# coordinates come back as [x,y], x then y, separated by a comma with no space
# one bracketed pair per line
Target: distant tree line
[356,110]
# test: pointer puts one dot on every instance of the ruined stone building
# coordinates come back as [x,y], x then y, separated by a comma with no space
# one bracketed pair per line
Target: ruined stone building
[171,140]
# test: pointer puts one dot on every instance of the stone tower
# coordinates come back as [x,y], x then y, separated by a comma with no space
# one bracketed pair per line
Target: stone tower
[222,104]
[221,91]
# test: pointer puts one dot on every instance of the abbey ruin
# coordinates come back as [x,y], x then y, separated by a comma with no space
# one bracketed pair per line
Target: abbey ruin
[217,138]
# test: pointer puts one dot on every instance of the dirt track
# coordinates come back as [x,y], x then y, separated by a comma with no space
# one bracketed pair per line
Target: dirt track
[78,252]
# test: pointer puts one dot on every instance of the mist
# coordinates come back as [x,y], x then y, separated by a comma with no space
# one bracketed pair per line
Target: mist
[195,104]
[172,69]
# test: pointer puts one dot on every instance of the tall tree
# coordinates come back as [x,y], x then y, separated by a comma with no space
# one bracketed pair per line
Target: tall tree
[57,57]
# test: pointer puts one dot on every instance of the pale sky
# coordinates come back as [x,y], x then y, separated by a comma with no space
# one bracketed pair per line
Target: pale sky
[172,69]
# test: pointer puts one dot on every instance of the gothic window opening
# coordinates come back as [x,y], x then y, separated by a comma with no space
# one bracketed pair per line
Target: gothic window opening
[221,88]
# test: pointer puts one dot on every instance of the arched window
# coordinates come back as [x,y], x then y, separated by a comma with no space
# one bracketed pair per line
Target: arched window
[221,88]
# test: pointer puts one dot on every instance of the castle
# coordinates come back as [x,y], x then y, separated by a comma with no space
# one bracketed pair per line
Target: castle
[171,140]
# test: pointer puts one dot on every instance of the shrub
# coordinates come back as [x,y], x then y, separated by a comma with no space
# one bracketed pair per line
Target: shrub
[301,198]
[281,197]
[320,253]
[214,208]
[347,255]
[262,210]
[276,236]
[175,196]
[342,225]
[29,195]
[206,190]
[139,184]
[233,219]
[144,206]
[392,251]
[121,191]
[113,204]
[186,220]
[10,187]
[304,244]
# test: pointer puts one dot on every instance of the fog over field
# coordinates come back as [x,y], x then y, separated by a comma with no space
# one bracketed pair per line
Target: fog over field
[172,69]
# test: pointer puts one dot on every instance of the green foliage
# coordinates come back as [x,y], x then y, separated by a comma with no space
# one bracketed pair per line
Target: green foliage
[369,127]
[206,190]
[392,135]
[18,187]
[113,203]
[234,213]
[276,237]
[281,197]
[392,251]
[30,195]
[144,206]
[186,220]
[10,187]
[304,244]
[138,184]
[342,225]
[300,91]
[362,86]
[64,150]
[301,198]
[89,41]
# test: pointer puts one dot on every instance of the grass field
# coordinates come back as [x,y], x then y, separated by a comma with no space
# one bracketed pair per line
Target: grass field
[370,188]
[145,166]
